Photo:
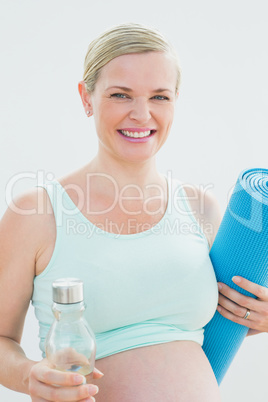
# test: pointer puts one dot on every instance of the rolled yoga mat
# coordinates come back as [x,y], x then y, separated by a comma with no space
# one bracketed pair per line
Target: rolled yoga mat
[240,248]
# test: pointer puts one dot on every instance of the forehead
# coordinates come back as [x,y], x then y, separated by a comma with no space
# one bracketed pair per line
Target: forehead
[155,69]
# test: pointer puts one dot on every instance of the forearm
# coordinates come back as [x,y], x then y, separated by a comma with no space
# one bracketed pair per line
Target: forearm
[14,372]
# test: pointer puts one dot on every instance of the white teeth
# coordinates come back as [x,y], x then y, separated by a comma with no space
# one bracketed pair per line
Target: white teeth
[135,134]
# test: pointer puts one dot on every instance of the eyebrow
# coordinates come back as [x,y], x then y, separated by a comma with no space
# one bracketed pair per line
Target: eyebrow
[130,90]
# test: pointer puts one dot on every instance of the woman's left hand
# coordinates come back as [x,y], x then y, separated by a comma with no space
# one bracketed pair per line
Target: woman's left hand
[234,306]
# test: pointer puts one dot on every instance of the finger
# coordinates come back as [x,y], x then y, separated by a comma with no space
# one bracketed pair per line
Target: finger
[68,394]
[237,297]
[233,307]
[97,373]
[90,399]
[260,291]
[230,316]
[49,376]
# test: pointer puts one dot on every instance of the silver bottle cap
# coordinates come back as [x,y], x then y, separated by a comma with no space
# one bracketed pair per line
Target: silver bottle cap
[67,290]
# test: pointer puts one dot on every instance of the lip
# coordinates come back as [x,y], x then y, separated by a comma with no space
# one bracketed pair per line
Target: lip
[131,139]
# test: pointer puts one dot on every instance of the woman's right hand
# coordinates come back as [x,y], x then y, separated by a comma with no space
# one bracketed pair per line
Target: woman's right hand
[47,384]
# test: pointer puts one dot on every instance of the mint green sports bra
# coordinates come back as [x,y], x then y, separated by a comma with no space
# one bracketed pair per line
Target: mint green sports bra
[140,289]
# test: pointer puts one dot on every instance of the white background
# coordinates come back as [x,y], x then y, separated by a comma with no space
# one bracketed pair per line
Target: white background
[220,126]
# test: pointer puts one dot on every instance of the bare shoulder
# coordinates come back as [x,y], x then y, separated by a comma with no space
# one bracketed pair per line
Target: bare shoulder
[28,210]
[205,208]
[24,228]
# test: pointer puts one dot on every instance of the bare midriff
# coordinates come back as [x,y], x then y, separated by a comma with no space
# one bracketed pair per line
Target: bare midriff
[170,372]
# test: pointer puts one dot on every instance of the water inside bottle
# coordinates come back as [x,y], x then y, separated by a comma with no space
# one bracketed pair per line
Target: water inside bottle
[68,359]
[84,370]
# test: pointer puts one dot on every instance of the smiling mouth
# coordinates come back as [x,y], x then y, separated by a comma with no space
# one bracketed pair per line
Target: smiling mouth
[135,134]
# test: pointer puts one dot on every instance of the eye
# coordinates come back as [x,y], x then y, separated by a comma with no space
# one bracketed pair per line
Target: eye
[118,95]
[160,97]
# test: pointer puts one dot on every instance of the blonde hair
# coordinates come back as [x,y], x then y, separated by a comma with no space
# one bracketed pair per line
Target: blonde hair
[120,40]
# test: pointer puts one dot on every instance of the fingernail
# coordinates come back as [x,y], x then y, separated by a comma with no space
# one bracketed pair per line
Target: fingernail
[79,379]
[236,279]
[92,389]
[98,371]
[219,286]
[219,308]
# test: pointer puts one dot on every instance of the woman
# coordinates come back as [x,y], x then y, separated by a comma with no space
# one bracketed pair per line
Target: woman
[131,234]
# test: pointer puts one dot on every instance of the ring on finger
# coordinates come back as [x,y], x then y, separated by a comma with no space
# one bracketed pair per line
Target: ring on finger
[246,316]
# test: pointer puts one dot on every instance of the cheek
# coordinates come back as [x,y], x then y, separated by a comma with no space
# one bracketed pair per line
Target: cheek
[113,112]
[166,115]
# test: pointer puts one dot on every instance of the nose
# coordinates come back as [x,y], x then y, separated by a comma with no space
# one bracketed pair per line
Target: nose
[140,111]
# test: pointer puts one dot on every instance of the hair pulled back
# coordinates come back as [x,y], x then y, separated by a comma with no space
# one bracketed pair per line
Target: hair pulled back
[120,40]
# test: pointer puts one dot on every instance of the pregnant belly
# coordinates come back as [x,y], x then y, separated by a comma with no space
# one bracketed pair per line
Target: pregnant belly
[170,372]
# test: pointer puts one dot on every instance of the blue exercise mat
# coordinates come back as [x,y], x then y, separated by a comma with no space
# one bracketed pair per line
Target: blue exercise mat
[240,248]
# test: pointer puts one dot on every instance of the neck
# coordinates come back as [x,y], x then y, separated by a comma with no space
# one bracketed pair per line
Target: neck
[108,175]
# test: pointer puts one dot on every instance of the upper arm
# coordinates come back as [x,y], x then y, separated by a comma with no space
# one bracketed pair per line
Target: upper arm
[211,214]
[19,242]
[206,210]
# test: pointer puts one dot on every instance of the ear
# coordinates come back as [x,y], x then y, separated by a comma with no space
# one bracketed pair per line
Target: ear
[85,97]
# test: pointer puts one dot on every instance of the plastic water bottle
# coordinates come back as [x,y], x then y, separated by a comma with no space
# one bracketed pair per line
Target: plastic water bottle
[70,343]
